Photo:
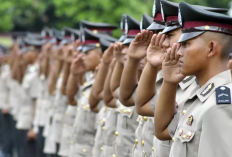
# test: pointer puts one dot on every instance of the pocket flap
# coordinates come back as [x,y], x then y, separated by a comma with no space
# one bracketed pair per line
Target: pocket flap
[185,135]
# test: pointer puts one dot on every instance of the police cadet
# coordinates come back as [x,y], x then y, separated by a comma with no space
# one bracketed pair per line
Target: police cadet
[144,131]
[60,100]
[159,44]
[84,125]
[206,34]
[126,123]
[68,119]
[6,141]
[110,121]
[28,95]
[51,147]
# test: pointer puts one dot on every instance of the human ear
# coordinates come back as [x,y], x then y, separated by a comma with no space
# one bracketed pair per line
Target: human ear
[212,49]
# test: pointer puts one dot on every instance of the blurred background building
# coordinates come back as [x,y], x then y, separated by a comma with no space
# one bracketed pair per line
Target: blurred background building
[33,15]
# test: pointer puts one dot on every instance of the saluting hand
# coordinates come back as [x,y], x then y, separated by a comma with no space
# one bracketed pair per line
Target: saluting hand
[108,54]
[77,66]
[171,66]
[118,52]
[155,52]
[138,47]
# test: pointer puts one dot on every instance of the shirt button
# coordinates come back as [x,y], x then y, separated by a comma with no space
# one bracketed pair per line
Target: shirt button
[103,128]
[136,141]
[84,150]
[143,142]
[101,148]
[184,111]
[184,136]
[145,118]
[113,155]
[116,133]
[173,139]
[153,148]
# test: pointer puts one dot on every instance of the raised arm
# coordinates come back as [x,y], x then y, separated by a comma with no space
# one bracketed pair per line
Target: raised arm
[102,73]
[75,78]
[108,98]
[147,84]
[137,51]
[165,107]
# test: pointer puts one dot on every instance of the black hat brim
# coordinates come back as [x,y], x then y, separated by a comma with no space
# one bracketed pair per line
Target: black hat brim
[127,41]
[155,27]
[122,38]
[87,48]
[169,29]
[190,35]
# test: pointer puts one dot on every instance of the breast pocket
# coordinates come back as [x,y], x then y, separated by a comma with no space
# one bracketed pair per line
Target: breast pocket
[127,119]
[184,142]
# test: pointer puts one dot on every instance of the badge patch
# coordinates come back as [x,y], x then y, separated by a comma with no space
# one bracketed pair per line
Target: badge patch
[207,89]
[190,120]
[223,95]
[187,78]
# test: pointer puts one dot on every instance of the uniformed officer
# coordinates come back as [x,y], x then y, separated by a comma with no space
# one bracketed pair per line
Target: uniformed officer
[130,76]
[85,119]
[208,106]
[96,96]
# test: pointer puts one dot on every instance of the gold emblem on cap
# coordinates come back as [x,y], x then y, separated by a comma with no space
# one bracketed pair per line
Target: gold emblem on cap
[95,31]
[190,120]
[32,48]
[206,27]
[97,45]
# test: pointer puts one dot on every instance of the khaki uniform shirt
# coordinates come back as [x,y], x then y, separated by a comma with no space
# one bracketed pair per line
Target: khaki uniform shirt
[204,130]
[4,89]
[85,122]
[109,133]
[28,93]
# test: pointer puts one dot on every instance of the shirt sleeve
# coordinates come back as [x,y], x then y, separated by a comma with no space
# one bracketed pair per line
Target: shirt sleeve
[34,88]
[173,125]
[216,134]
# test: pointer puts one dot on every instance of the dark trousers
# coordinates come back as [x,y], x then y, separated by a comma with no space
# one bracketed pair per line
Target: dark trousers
[7,138]
[28,147]
[54,155]
[40,143]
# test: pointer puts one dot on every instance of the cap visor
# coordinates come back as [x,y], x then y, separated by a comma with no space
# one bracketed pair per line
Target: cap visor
[80,48]
[87,48]
[190,35]
[169,29]
[122,38]
[127,41]
[155,27]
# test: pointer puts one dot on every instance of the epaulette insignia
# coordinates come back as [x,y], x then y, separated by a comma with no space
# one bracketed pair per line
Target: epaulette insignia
[207,89]
[187,78]
[223,95]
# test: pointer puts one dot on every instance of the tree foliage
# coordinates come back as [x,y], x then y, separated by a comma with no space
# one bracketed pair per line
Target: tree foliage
[32,15]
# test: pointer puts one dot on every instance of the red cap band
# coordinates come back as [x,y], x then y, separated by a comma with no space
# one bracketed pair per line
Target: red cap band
[158,17]
[192,24]
[171,18]
[133,32]
[90,42]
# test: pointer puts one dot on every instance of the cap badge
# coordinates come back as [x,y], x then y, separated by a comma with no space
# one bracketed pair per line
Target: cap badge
[190,120]
[180,18]
[162,11]
[154,9]
[141,24]
[126,26]
[206,27]
[207,89]
[97,45]
[95,31]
